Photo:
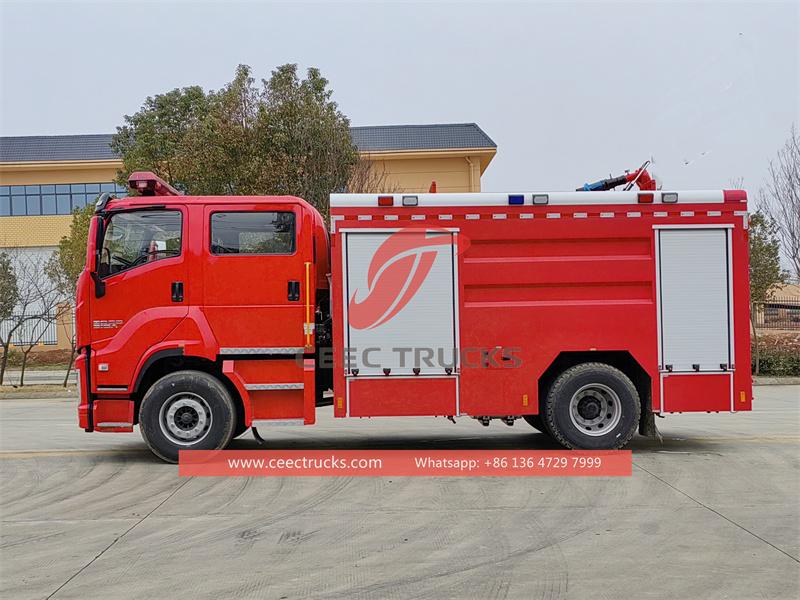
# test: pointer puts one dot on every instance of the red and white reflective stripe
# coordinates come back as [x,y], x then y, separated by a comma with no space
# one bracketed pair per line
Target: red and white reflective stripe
[554,199]
[527,215]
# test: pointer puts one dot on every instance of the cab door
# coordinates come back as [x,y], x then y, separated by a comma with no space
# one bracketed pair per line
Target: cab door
[143,290]
[254,277]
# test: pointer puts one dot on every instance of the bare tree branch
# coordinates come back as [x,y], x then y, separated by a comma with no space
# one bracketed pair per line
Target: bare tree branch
[780,199]
[368,177]
[36,307]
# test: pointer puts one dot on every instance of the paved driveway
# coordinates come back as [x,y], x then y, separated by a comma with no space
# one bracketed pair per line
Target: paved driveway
[711,512]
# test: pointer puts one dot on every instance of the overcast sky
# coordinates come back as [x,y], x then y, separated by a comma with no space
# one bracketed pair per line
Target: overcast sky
[569,92]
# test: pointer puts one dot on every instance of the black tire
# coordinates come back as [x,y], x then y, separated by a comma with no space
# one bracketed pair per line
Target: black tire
[537,423]
[592,406]
[199,396]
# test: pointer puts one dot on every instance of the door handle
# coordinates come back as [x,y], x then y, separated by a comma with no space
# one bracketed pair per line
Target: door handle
[177,291]
[293,291]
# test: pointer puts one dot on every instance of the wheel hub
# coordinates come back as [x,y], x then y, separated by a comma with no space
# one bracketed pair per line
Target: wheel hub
[589,408]
[595,409]
[185,418]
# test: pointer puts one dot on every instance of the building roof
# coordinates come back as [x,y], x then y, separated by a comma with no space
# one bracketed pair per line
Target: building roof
[444,136]
[380,138]
[56,147]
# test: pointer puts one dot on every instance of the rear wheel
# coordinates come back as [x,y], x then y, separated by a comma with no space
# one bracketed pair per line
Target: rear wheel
[186,410]
[592,406]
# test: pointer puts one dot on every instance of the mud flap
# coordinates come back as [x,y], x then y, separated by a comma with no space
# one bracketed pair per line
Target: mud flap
[647,426]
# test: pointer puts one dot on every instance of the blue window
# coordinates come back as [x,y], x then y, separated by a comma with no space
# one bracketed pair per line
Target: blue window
[63,204]
[33,207]
[17,205]
[53,199]
[48,205]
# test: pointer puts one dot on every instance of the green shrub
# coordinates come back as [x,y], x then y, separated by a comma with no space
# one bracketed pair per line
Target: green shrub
[14,357]
[779,362]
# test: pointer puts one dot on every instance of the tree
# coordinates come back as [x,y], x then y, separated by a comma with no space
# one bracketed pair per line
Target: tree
[65,265]
[153,138]
[34,309]
[765,268]
[9,294]
[780,200]
[284,136]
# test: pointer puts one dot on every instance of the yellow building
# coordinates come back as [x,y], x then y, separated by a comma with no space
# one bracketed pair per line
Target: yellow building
[44,178]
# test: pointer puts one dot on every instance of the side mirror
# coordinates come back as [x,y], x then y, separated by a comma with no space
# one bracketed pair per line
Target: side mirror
[99,285]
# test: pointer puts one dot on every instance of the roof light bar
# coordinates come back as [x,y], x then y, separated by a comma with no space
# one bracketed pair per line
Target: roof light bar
[734,195]
[150,184]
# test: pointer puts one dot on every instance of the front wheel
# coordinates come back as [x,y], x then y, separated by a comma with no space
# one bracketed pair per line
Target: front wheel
[186,410]
[592,406]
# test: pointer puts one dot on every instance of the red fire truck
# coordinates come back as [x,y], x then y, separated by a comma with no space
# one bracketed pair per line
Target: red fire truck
[585,313]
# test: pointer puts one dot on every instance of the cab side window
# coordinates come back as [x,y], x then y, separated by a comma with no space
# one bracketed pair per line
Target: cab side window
[136,238]
[253,232]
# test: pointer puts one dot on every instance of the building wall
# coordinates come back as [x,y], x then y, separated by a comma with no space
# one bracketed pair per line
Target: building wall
[44,229]
[414,171]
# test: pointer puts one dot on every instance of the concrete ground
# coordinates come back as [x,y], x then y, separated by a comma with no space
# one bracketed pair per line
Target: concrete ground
[712,512]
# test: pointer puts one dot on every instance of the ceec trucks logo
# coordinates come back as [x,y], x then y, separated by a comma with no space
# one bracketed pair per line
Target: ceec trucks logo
[396,273]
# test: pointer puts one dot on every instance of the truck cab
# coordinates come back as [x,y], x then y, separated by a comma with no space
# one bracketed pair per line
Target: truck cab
[200,286]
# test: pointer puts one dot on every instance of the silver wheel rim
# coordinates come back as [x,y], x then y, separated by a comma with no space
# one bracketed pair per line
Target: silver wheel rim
[185,418]
[595,409]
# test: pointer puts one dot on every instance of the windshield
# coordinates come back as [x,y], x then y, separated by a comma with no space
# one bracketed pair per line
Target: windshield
[136,238]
